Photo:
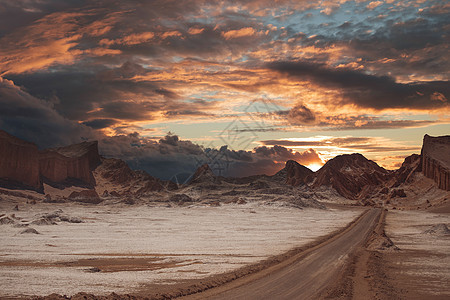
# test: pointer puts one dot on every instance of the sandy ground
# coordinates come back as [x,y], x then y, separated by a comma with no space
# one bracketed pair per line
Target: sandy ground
[123,248]
[421,269]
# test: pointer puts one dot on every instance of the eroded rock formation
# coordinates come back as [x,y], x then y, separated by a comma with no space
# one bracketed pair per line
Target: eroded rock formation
[204,174]
[74,162]
[117,172]
[436,160]
[404,174]
[352,175]
[19,163]
[296,173]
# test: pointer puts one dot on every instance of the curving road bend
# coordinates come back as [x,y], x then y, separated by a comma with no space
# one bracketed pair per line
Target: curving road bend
[306,277]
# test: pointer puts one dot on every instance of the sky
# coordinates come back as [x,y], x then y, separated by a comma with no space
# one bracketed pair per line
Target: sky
[241,85]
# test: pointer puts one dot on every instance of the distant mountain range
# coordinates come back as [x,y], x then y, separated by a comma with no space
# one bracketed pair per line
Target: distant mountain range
[351,176]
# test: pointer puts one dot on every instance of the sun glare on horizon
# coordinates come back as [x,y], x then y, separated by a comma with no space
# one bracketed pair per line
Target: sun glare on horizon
[314,167]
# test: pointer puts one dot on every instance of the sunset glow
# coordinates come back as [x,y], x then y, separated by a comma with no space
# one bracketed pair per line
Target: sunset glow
[314,167]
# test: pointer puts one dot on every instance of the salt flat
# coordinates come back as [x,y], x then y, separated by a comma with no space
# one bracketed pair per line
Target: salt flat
[120,248]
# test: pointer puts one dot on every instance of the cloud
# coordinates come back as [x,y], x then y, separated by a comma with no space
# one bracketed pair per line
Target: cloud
[132,39]
[105,93]
[243,32]
[100,123]
[171,156]
[34,120]
[280,153]
[300,115]
[346,144]
[374,4]
[367,90]
[119,68]
[194,31]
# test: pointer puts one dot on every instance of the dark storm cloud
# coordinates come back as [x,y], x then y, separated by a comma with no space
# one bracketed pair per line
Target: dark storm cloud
[100,123]
[171,156]
[14,14]
[34,120]
[106,93]
[300,115]
[366,90]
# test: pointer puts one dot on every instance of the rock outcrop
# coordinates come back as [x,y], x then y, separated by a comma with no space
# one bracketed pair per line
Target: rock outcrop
[352,175]
[404,174]
[204,174]
[86,196]
[69,164]
[296,174]
[19,163]
[118,173]
[436,160]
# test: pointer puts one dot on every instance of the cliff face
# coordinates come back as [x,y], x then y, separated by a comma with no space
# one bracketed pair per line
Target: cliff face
[19,164]
[74,162]
[436,160]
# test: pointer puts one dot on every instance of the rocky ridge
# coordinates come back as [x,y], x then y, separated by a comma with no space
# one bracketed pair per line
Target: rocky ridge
[351,177]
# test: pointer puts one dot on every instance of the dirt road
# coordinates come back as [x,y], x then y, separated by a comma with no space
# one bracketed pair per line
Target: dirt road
[307,276]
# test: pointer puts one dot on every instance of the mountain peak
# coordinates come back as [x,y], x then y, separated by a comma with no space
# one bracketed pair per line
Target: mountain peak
[352,163]
[203,174]
[296,173]
[349,174]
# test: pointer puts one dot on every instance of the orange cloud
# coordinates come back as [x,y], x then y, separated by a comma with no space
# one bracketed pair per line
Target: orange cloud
[102,51]
[53,40]
[48,41]
[374,4]
[194,31]
[170,34]
[40,56]
[132,39]
[243,32]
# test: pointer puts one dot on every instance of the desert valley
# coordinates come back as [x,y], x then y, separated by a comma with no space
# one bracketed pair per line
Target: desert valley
[251,149]
[79,225]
